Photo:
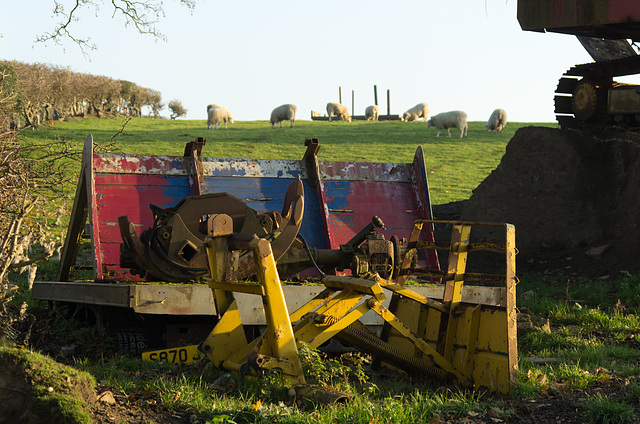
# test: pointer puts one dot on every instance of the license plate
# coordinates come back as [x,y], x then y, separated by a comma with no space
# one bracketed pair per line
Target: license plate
[176,355]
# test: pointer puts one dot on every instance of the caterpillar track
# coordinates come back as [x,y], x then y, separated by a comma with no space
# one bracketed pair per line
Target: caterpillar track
[587,95]
[609,30]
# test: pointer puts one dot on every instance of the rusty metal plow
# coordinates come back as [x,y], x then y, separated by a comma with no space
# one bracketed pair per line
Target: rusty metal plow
[452,332]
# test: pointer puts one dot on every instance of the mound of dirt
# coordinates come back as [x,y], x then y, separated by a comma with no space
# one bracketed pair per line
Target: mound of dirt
[34,389]
[573,198]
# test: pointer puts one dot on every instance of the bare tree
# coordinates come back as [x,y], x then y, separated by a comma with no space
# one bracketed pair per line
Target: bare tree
[129,93]
[10,97]
[155,102]
[32,174]
[34,84]
[142,14]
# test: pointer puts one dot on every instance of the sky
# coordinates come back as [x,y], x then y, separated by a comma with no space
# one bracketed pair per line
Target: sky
[255,55]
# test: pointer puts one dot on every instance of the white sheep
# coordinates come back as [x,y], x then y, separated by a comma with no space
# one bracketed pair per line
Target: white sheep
[285,112]
[421,110]
[447,120]
[497,121]
[217,115]
[209,107]
[372,112]
[339,110]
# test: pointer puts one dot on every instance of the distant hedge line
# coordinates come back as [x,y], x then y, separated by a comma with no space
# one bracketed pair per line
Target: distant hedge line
[30,93]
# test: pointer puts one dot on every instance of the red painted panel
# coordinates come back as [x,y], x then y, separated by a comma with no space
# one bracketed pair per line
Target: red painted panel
[115,195]
[353,204]
[110,269]
[141,179]
[349,195]
[137,164]
[133,199]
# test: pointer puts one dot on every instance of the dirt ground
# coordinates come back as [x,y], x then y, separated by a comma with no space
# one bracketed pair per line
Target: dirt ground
[572,197]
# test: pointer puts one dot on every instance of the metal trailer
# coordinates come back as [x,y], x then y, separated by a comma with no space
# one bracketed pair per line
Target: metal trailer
[451,330]
[340,199]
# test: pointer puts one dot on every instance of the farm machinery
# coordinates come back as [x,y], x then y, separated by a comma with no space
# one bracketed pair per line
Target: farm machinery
[216,238]
[587,95]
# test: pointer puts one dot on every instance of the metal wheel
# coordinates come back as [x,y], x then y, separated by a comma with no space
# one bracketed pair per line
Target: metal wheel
[585,100]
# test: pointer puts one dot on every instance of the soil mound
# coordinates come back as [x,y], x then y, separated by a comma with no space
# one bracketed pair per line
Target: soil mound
[573,197]
[34,389]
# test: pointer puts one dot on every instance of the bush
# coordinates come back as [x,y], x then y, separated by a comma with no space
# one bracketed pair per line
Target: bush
[177,110]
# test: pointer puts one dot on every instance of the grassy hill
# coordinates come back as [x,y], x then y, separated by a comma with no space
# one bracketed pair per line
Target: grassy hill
[455,166]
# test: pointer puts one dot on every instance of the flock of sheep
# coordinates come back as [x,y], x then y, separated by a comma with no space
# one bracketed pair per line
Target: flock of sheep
[442,121]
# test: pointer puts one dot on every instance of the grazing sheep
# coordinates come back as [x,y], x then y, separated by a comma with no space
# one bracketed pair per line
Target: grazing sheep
[209,107]
[372,112]
[421,110]
[283,113]
[217,115]
[339,110]
[447,120]
[497,121]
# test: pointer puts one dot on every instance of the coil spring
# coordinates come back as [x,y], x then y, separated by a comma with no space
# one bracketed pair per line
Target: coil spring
[389,353]
[329,319]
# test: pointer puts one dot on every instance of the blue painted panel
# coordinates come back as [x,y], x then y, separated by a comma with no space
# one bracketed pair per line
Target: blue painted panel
[267,194]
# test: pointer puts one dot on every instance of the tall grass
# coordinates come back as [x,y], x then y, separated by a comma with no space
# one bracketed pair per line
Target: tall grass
[604,410]
[592,343]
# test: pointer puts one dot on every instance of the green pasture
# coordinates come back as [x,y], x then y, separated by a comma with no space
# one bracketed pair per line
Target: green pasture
[455,167]
[585,352]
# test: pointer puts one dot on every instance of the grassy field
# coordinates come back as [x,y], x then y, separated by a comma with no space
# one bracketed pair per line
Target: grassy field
[455,166]
[579,360]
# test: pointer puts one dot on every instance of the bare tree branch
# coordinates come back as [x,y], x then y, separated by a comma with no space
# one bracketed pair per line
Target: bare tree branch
[142,14]
[136,13]
[48,252]
[121,131]
[61,31]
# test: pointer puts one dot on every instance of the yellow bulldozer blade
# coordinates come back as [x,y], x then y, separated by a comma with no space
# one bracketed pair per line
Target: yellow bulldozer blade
[463,330]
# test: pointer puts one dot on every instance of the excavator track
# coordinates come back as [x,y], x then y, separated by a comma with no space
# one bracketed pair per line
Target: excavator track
[582,95]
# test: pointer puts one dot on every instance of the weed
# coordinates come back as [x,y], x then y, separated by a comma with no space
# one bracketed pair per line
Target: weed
[603,410]
[634,387]
[334,373]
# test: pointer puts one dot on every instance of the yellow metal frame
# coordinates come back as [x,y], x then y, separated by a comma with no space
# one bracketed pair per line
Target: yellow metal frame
[478,339]
[449,338]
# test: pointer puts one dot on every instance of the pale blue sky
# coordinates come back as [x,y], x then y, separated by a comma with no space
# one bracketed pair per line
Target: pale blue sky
[255,55]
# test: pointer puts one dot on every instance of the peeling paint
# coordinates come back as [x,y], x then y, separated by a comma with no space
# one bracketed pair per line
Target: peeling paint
[351,193]
[263,168]
[138,164]
[365,171]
